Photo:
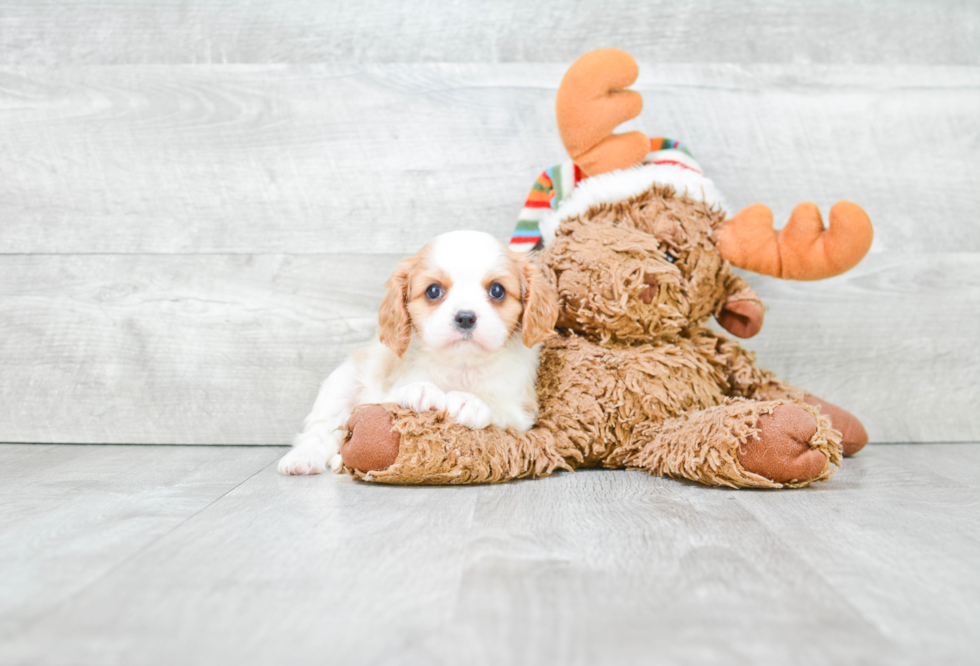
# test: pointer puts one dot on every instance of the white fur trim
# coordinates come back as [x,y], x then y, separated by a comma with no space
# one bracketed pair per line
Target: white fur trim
[619,185]
[567,175]
[673,155]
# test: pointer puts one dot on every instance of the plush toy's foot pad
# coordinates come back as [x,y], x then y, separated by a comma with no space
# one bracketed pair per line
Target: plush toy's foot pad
[373,443]
[853,434]
[780,451]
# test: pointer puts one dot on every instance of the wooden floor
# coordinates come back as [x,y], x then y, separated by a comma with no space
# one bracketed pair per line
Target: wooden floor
[205,555]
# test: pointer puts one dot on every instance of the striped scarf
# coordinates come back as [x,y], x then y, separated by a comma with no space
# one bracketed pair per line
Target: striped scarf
[556,184]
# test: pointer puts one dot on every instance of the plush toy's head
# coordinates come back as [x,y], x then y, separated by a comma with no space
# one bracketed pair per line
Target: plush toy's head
[644,267]
[633,258]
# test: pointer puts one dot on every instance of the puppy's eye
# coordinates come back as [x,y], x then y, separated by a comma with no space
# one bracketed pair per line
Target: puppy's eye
[670,257]
[433,292]
[497,292]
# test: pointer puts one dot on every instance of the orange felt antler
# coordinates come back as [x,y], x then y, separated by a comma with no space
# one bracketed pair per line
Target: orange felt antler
[591,103]
[802,250]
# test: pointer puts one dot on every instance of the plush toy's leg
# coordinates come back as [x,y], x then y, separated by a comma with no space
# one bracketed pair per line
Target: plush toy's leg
[750,381]
[742,443]
[389,444]
[853,434]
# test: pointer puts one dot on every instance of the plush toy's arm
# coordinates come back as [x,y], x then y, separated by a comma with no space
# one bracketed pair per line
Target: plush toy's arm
[738,289]
[388,444]
[741,312]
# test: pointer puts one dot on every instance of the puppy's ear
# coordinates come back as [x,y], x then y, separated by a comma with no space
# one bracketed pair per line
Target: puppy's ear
[540,305]
[394,323]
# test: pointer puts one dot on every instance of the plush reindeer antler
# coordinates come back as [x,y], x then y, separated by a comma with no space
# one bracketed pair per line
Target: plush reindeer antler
[591,103]
[802,250]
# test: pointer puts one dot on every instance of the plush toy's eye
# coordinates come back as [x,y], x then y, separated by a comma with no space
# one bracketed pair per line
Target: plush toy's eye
[497,292]
[433,292]
[669,257]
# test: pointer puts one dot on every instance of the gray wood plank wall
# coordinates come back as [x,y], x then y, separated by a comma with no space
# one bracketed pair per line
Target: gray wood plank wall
[199,201]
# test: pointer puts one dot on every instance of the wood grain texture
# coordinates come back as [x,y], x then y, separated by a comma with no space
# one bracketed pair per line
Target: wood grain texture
[265,31]
[596,567]
[72,514]
[176,349]
[380,158]
[197,349]
[898,566]
[200,200]
[894,341]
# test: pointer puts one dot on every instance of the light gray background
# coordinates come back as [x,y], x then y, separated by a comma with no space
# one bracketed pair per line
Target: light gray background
[200,201]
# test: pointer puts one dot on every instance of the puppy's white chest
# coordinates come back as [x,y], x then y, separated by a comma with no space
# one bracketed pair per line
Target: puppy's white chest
[482,379]
[465,378]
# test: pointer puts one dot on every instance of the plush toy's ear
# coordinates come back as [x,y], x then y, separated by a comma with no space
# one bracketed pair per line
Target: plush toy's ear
[741,318]
[394,323]
[540,305]
[741,312]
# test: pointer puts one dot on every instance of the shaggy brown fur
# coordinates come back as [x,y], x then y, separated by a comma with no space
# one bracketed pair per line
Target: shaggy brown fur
[635,379]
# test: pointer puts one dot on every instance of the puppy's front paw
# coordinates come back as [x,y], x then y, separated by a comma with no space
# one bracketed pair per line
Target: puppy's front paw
[302,460]
[420,397]
[468,410]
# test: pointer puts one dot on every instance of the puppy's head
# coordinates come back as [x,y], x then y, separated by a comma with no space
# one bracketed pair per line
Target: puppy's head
[465,293]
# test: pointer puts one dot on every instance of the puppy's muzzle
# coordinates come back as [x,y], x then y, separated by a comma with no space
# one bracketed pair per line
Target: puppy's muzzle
[465,319]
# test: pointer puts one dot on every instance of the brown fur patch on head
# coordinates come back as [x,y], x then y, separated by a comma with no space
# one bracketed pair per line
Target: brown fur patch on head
[394,324]
[539,301]
[615,279]
[424,275]
[530,304]
[406,284]
[509,276]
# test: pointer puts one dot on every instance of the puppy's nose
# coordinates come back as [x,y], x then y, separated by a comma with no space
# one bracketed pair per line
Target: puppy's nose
[465,319]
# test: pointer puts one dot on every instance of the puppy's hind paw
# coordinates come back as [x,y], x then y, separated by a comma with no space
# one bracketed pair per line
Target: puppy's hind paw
[468,410]
[301,461]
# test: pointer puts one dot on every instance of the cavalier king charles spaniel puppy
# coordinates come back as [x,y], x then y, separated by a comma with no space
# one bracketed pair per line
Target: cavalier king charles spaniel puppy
[460,325]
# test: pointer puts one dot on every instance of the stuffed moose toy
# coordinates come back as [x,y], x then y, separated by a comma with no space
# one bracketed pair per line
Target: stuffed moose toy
[639,248]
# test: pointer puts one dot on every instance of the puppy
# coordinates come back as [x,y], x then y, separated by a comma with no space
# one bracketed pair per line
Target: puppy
[459,327]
